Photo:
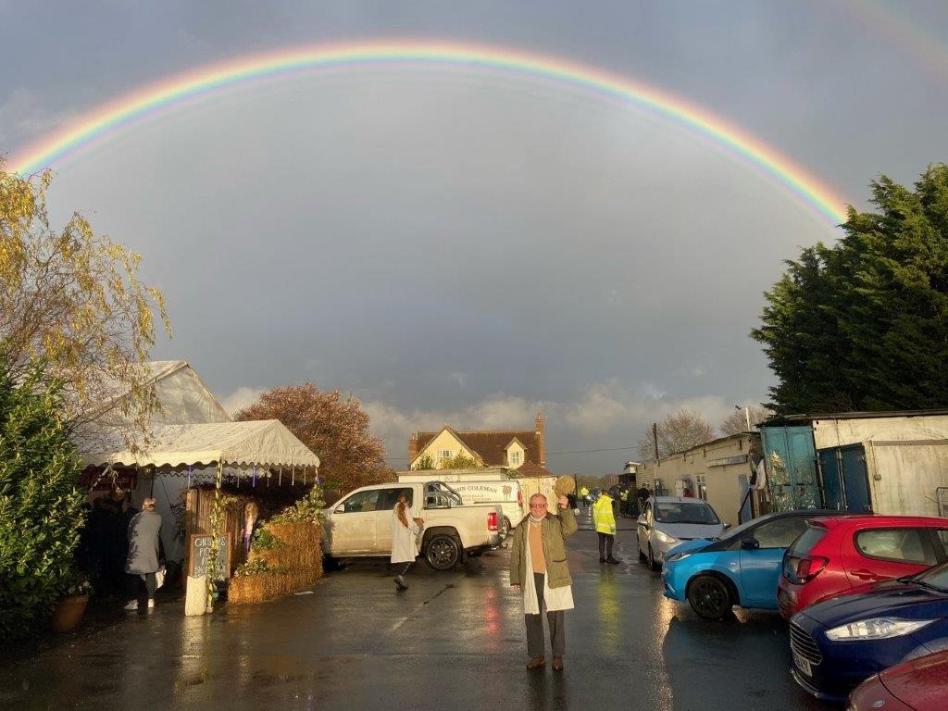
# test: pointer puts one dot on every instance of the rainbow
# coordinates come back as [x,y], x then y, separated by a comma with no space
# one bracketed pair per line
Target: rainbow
[125,110]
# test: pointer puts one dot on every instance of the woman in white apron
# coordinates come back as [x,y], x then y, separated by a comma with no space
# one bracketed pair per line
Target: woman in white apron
[405,536]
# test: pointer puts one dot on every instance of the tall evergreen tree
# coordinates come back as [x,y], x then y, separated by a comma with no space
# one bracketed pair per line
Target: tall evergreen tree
[40,502]
[863,325]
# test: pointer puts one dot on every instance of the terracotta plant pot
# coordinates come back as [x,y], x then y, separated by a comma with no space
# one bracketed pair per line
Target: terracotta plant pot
[68,613]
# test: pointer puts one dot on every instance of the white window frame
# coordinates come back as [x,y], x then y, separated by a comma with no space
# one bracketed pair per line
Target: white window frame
[515,458]
[701,487]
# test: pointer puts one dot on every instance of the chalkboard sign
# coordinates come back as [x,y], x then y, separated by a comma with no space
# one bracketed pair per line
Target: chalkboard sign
[200,557]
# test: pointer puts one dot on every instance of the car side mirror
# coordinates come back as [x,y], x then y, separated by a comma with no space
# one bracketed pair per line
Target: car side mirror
[750,544]
[340,509]
[727,526]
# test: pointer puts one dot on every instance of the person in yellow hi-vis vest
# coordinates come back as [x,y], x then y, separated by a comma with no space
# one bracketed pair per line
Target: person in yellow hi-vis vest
[604,521]
[584,496]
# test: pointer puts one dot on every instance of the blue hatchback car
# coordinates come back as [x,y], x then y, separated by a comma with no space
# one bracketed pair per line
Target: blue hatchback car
[838,643]
[740,568]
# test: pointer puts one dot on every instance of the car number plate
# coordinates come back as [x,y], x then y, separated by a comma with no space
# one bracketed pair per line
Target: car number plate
[802,664]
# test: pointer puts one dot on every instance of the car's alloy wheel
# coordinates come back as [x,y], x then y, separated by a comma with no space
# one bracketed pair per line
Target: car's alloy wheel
[709,597]
[443,552]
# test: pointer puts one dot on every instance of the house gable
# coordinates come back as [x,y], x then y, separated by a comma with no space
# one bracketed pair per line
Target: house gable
[446,444]
[516,453]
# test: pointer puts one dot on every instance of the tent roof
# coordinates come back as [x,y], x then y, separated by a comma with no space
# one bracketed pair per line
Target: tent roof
[262,442]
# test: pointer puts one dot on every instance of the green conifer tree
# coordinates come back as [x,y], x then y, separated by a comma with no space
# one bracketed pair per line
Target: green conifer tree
[863,324]
[40,501]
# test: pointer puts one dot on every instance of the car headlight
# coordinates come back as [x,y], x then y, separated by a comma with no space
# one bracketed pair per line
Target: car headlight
[876,628]
[664,537]
[675,557]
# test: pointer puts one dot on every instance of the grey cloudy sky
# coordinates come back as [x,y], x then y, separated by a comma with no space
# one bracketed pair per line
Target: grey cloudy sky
[455,246]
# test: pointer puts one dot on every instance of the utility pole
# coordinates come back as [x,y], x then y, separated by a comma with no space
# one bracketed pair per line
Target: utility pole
[655,438]
[747,416]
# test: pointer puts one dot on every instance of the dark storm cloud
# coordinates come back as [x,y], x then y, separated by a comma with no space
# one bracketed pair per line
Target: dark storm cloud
[453,247]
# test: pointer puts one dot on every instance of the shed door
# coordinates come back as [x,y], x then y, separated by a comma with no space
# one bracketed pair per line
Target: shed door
[855,479]
[845,482]
[832,484]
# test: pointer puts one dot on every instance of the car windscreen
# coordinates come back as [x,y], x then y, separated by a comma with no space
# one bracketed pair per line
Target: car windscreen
[743,527]
[685,512]
[449,491]
[936,577]
[807,540]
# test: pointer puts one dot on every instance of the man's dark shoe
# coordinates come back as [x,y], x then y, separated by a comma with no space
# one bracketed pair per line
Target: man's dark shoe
[536,662]
[557,663]
[613,561]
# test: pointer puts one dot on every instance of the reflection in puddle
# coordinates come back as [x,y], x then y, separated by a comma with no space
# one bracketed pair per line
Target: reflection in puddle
[664,614]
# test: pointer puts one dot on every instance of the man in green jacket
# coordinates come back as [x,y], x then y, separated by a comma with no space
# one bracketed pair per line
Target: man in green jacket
[538,568]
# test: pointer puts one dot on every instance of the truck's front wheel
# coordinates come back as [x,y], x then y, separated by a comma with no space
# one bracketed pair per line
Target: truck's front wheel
[443,551]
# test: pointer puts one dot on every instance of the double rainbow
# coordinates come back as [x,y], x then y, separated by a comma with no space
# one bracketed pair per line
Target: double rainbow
[169,93]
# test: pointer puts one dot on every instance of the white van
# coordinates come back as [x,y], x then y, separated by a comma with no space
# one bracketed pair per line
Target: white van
[506,493]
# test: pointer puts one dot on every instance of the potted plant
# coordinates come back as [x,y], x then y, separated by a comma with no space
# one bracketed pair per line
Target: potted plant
[72,606]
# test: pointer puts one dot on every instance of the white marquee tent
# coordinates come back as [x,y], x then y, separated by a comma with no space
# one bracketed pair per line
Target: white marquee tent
[263,443]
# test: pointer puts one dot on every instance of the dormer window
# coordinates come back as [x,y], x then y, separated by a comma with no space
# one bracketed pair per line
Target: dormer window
[515,459]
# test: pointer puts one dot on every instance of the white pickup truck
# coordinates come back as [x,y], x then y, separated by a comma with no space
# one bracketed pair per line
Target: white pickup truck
[359,525]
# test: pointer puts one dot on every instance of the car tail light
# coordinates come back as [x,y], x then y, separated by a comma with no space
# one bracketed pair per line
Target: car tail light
[804,569]
[492,521]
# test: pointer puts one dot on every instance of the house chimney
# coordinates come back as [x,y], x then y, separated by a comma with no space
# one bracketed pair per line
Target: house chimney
[412,447]
[541,445]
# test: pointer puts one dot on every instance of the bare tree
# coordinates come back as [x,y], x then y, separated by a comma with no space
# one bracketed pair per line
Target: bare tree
[679,431]
[737,421]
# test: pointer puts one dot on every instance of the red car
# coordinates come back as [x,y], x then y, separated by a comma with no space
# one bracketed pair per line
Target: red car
[839,555]
[918,685]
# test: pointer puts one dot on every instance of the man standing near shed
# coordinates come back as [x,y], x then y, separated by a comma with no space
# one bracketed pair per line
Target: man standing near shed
[538,567]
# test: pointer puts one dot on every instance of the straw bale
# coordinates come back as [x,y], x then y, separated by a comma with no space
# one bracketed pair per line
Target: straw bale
[299,560]
[252,589]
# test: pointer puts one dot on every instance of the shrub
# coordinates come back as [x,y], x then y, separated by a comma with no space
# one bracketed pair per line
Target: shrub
[41,506]
[263,540]
[308,509]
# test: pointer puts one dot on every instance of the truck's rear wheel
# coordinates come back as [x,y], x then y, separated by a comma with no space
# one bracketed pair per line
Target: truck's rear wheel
[506,530]
[443,551]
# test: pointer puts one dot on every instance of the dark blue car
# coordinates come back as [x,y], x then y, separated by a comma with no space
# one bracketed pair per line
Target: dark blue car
[740,568]
[837,644]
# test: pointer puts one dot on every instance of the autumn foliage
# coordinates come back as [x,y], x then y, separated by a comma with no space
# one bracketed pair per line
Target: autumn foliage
[73,298]
[334,426]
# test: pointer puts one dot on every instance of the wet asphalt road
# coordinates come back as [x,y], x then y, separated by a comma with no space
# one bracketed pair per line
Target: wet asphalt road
[452,641]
